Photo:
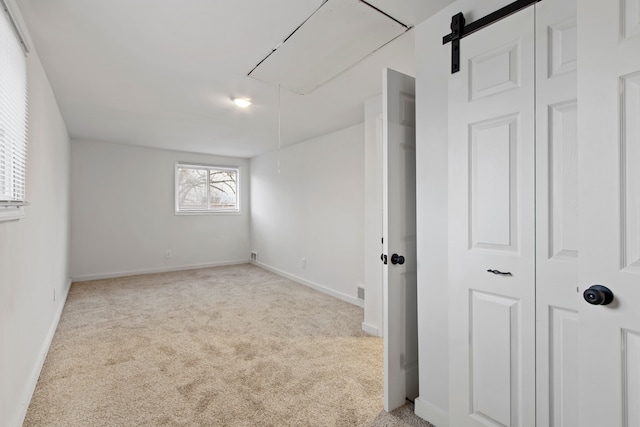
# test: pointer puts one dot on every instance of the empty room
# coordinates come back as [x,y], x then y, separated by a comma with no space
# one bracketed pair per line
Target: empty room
[320,213]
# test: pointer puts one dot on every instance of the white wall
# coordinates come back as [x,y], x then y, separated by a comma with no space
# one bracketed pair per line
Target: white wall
[34,255]
[373,216]
[122,214]
[312,209]
[433,62]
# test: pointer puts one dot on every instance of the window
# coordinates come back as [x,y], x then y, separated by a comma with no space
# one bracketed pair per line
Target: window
[13,119]
[206,188]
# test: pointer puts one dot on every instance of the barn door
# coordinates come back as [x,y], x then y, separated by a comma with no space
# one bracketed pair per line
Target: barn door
[491,232]
[609,173]
[514,230]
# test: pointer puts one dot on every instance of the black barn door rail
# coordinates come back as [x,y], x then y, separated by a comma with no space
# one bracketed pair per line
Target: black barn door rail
[460,31]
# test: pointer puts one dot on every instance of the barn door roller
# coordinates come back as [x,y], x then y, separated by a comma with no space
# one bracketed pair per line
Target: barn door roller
[460,31]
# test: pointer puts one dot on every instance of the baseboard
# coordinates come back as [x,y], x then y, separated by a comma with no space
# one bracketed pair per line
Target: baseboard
[431,413]
[371,330]
[86,277]
[42,356]
[317,287]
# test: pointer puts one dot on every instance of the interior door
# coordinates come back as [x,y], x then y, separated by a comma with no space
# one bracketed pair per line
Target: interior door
[557,245]
[399,239]
[491,232]
[609,174]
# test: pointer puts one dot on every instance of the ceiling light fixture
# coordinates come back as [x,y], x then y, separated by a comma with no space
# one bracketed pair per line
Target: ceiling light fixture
[242,102]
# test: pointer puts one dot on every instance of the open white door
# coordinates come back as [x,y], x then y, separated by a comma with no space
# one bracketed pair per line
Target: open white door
[491,227]
[399,240]
[609,173]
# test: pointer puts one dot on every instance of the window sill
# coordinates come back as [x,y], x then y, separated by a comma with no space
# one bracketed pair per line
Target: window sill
[192,213]
[11,214]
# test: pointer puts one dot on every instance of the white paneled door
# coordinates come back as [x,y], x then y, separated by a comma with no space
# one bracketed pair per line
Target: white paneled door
[514,204]
[544,137]
[609,174]
[557,235]
[399,241]
[492,227]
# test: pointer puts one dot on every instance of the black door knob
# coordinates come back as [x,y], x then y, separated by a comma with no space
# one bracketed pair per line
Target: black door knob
[397,259]
[598,295]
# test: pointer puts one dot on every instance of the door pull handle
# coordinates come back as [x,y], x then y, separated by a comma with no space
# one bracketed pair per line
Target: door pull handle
[498,272]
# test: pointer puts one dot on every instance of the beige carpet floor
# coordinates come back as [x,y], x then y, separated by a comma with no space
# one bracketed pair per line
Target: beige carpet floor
[226,346]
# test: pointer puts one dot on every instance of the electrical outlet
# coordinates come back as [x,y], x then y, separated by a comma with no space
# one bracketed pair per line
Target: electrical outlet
[254,256]
[303,263]
[167,253]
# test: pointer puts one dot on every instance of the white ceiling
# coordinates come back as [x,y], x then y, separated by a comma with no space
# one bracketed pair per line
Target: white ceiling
[161,73]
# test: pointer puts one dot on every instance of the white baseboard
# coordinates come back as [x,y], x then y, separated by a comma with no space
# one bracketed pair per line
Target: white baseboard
[317,287]
[371,330]
[86,277]
[42,356]
[431,413]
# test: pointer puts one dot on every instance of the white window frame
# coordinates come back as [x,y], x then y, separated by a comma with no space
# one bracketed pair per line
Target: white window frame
[14,124]
[208,167]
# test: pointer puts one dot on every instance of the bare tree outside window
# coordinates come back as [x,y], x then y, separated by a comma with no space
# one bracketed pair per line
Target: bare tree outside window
[206,188]
[223,187]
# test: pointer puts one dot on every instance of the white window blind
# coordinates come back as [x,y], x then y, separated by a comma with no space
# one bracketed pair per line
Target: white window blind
[13,116]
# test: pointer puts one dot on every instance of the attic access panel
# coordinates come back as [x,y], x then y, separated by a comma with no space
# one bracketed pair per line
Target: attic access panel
[338,35]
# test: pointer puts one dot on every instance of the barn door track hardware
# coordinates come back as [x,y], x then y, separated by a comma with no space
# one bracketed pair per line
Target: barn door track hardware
[459,30]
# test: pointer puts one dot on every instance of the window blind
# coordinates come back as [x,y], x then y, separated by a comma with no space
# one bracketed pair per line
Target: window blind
[13,114]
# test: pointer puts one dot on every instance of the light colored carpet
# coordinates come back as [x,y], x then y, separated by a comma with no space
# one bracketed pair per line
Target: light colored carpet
[226,346]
